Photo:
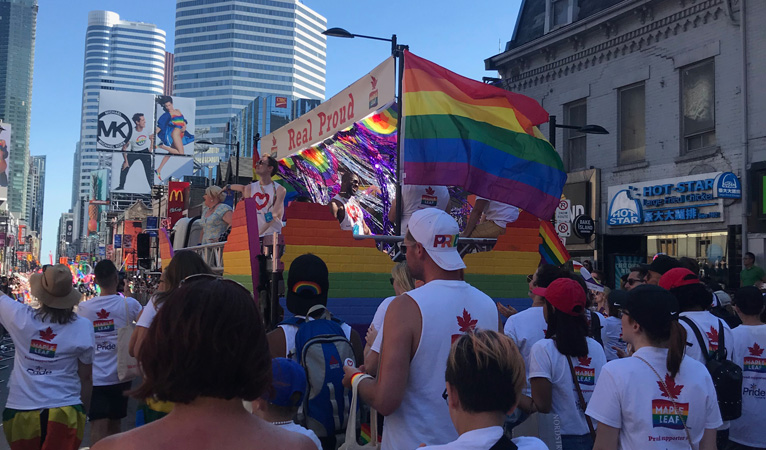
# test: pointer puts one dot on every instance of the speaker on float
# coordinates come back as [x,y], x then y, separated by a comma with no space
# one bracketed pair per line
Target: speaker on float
[143,244]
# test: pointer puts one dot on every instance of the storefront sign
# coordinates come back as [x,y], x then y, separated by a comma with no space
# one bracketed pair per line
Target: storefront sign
[365,96]
[690,199]
[584,227]
[178,200]
[117,241]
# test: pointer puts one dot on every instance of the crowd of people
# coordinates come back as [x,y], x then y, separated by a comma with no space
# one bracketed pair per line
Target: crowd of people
[654,365]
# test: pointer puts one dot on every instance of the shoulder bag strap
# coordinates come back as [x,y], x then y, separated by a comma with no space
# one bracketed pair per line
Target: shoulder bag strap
[582,399]
[667,392]
[703,347]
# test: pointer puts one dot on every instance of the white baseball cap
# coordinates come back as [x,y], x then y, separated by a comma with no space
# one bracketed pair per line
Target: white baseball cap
[438,233]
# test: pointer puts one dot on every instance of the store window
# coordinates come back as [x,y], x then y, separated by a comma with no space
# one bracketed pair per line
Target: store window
[575,141]
[667,246]
[698,105]
[632,110]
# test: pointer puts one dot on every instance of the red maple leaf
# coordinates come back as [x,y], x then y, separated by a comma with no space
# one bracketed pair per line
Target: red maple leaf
[429,191]
[273,140]
[674,390]
[47,334]
[103,314]
[712,335]
[584,360]
[374,82]
[755,350]
[465,322]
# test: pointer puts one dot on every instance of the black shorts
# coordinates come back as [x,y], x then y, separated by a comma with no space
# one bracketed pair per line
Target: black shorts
[109,402]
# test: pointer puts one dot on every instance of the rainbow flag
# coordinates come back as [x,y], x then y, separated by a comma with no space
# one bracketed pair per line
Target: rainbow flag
[458,131]
[551,249]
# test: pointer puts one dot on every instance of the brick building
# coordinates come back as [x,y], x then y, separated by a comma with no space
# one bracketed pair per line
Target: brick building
[686,116]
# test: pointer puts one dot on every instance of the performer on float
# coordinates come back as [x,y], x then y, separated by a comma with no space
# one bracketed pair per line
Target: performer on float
[269,196]
[416,197]
[496,216]
[346,208]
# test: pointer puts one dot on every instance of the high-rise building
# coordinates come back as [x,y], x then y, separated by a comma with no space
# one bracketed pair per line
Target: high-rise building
[121,56]
[228,52]
[36,194]
[167,85]
[18,20]
[65,235]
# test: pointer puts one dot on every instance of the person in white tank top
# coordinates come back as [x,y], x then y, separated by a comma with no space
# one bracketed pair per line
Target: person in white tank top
[346,208]
[419,329]
[497,216]
[416,197]
[269,196]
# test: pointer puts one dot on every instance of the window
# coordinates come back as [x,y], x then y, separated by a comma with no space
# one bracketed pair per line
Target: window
[698,105]
[559,13]
[667,246]
[576,113]
[632,136]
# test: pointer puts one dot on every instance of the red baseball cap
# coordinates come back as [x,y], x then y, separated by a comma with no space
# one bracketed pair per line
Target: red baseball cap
[678,277]
[565,294]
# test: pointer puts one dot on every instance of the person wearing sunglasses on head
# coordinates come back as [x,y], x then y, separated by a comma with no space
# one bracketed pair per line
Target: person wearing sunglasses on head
[268,195]
[210,353]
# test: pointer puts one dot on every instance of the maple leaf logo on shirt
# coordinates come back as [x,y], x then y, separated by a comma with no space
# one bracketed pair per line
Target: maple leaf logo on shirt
[103,314]
[429,191]
[47,334]
[712,335]
[584,360]
[755,350]
[674,390]
[466,323]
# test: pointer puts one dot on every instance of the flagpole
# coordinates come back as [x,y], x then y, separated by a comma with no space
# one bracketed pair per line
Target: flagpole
[398,52]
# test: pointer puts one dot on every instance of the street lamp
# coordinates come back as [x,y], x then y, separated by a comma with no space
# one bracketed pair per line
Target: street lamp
[397,51]
[587,129]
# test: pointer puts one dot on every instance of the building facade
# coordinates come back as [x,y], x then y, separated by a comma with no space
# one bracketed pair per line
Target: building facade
[119,55]
[227,52]
[167,83]
[18,21]
[36,194]
[668,79]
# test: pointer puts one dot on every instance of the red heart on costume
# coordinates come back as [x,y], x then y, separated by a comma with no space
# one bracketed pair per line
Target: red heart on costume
[261,200]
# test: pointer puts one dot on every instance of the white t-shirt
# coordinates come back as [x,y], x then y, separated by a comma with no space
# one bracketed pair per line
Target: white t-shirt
[707,324]
[377,322]
[628,396]
[485,438]
[546,362]
[526,328]
[449,308]
[611,336]
[749,345]
[147,317]
[353,217]
[107,314]
[140,140]
[291,330]
[265,201]
[416,197]
[295,428]
[45,364]
[500,213]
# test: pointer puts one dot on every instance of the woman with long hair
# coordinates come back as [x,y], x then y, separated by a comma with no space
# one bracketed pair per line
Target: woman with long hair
[207,352]
[658,397]
[171,129]
[50,386]
[566,354]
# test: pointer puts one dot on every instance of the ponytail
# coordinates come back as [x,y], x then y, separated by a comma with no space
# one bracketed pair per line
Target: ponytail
[676,347]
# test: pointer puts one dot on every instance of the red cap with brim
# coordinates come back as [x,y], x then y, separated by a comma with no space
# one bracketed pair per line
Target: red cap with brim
[678,277]
[565,294]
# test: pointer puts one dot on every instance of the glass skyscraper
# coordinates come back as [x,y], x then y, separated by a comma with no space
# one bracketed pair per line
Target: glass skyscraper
[228,52]
[36,194]
[18,19]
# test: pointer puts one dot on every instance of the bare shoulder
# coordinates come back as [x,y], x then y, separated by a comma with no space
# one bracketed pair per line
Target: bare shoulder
[129,440]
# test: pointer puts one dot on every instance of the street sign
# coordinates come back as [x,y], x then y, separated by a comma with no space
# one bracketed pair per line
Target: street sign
[563,229]
[563,213]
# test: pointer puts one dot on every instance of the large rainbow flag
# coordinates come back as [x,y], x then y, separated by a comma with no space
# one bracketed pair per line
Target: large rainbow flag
[458,131]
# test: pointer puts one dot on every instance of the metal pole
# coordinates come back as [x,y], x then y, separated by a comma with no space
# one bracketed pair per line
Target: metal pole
[399,54]
[236,176]
[552,131]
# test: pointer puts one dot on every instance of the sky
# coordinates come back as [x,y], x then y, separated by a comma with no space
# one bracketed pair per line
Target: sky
[447,32]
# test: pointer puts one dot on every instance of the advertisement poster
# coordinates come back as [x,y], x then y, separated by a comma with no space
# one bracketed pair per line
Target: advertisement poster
[622,265]
[99,194]
[127,241]
[5,149]
[178,201]
[146,134]
[117,241]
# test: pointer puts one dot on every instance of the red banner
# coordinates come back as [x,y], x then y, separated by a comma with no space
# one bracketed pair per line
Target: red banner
[178,200]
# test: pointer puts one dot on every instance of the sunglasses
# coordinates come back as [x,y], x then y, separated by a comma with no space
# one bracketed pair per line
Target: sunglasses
[445,395]
[404,247]
[529,278]
[391,280]
[260,163]
[632,281]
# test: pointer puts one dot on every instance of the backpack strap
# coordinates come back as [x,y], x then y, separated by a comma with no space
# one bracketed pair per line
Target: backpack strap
[721,353]
[297,321]
[504,444]
[703,347]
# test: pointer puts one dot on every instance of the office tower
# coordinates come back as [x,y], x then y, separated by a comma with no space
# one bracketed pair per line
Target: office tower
[18,19]
[167,85]
[36,194]
[228,52]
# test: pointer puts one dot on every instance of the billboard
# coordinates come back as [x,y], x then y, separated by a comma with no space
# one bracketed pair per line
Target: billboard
[99,194]
[5,148]
[69,231]
[178,200]
[150,138]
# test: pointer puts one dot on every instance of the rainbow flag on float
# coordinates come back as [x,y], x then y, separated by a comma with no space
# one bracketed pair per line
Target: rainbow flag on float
[551,248]
[460,132]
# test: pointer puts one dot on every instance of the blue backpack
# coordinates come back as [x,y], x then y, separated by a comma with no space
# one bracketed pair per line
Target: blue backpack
[322,348]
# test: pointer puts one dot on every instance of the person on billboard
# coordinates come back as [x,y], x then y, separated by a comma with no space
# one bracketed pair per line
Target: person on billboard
[3,162]
[171,129]
[141,146]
